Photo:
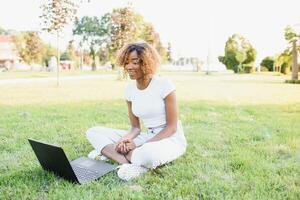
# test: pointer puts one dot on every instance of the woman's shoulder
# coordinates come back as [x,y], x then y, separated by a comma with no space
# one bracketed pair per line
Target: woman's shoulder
[164,86]
[129,86]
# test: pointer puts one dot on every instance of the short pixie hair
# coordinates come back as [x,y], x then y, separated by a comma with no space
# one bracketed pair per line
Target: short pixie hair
[149,58]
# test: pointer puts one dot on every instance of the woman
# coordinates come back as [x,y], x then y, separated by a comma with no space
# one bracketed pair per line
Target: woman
[152,100]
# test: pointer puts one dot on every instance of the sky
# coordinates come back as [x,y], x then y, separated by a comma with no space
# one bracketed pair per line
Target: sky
[193,27]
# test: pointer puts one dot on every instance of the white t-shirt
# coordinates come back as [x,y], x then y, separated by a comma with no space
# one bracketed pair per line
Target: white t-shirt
[148,104]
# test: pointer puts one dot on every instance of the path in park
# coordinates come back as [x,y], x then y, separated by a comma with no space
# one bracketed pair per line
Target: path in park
[53,79]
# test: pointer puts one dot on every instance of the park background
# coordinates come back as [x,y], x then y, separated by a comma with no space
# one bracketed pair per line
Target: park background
[235,68]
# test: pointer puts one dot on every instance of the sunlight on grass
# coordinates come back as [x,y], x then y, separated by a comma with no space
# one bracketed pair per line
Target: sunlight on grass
[44,74]
[242,132]
[237,89]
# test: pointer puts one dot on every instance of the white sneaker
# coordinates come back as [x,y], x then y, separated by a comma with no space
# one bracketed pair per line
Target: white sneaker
[95,155]
[127,172]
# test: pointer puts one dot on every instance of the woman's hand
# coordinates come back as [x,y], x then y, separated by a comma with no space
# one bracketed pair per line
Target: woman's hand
[120,146]
[129,145]
[125,145]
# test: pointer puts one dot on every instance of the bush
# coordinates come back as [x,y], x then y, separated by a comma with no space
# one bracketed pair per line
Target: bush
[268,62]
[285,69]
[293,81]
[248,68]
[264,69]
[233,51]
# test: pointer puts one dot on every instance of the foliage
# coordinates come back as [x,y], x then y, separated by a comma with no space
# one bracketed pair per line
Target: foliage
[48,52]
[148,34]
[57,14]
[169,53]
[268,62]
[238,53]
[123,28]
[92,33]
[290,34]
[29,46]
[293,37]
[103,55]
[2,31]
[286,59]
[107,34]
[70,53]
[264,69]
[128,26]
[283,61]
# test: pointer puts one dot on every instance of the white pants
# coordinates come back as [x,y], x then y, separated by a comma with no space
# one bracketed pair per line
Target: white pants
[151,154]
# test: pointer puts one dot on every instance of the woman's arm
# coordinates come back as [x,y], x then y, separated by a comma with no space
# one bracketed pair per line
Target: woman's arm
[171,118]
[132,133]
[135,123]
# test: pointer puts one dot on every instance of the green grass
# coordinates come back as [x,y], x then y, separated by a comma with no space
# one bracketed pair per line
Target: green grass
[44,74]
[237,148]
[293,81]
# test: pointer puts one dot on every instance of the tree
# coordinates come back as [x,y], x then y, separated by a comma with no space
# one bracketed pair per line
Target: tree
[147,33]
[2,31]
[103,55]
[268,62]
[239,54]
[126,26]
[56,15]
[92,33]
[104,36]
[122,28]
[162,51]
[169,53]
[283,61]
[292,37]
[48,52]
[70,53]
[29,46]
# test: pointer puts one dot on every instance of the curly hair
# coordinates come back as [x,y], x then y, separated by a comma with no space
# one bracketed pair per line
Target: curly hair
[149,58]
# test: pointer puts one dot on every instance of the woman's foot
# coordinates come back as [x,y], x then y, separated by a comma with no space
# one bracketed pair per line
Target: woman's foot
[95,155]
[127,172]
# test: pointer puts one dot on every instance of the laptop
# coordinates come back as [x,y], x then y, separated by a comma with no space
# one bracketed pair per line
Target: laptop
[82,170]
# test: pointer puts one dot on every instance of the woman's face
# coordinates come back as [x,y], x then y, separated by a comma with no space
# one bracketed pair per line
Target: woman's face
[133,66]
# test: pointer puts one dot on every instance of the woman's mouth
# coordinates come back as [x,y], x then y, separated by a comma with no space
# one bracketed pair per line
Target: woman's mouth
[131,73]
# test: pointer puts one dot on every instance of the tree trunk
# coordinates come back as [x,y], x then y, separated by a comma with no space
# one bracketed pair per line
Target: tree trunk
[295,61]
[94,63]
[81,56]
[58,57]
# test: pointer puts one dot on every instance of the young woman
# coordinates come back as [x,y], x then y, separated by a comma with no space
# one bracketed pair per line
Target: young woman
[151,100]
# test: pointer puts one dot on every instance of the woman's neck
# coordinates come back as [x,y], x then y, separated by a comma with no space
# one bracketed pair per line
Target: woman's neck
[143,83]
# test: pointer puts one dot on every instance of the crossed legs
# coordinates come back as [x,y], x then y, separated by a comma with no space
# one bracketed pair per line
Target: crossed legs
[110,152]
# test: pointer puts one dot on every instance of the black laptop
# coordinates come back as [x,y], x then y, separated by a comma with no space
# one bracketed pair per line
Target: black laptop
[82,170]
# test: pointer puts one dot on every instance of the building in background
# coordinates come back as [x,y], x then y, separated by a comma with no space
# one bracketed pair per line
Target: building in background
[8,53]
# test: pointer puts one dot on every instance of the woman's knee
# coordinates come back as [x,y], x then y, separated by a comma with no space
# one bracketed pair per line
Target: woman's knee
[96,132]
[145,156]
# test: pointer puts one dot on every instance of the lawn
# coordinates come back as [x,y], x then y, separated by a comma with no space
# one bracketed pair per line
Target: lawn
[44,74]
[243,136]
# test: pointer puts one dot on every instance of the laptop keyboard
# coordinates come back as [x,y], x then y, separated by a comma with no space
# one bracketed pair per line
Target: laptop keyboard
[84,174]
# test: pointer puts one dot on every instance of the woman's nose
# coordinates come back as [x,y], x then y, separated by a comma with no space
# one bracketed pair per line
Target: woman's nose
[129,66]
